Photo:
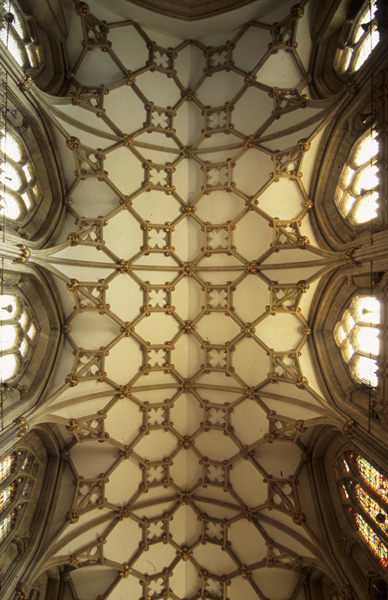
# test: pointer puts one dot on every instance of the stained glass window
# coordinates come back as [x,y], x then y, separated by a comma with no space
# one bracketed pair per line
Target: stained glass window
[373,478]
[6,525]
[6,466]
[16,483]
[358,336]
[364,493]
[27,462]
[6,496]
[373,541]
[344,491]
[372,508]
[360,42]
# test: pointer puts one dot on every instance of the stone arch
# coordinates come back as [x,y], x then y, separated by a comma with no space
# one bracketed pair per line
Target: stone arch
[41,447]
[352,554]
[34,293]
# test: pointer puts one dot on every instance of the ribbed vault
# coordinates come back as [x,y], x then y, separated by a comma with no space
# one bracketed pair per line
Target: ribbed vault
[190,10]
[186,269]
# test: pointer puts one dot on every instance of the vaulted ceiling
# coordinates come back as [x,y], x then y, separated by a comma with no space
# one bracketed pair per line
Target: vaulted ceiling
[186,268]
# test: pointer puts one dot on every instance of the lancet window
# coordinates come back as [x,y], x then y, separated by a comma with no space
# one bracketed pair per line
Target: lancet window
[360,41]
[358,336]
[17,32]
[357,193]
[364,492]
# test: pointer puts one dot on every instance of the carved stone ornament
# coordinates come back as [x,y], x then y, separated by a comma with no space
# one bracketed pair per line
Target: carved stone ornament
[303,144]
[302,242]
[347,593]
[22,591]
[299,518]
[82,9]
[72,516]
[349,256]
[348,427]
[23,426]
[24,254]
[74,238]
[27,83]
[297,11]
[72,380]
[73,285]
[73,143]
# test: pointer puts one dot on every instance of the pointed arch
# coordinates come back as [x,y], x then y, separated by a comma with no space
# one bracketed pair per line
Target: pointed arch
[363,495]
[25,521]
[34,32]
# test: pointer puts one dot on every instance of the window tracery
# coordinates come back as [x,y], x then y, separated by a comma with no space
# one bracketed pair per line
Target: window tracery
[17,32]
[357,335]
[18,335]
[17,476]
[360,41]
[363,492]
[357,195]
[21,193]
[373,478]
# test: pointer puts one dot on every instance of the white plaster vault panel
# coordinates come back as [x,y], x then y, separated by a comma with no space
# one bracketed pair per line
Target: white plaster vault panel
[186,398]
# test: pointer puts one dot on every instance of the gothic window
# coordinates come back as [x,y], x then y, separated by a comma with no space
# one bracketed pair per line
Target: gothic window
[360,41]
[7,524]
[365,498]
[18,335]
[18,35]
[6,467]
[17,475]
[6,496]
[373,478]
[357,196]
[29,338]
[357,334]
[20,193]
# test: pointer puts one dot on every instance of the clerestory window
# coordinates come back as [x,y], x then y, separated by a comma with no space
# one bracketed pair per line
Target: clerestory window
[364,492]
[17,476]
[20,191]
[17,32]
[18,335]
[357,195]
[358,336]
[360,41]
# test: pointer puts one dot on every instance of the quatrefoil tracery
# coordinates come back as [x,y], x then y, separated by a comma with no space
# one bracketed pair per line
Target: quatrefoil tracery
[217,288]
